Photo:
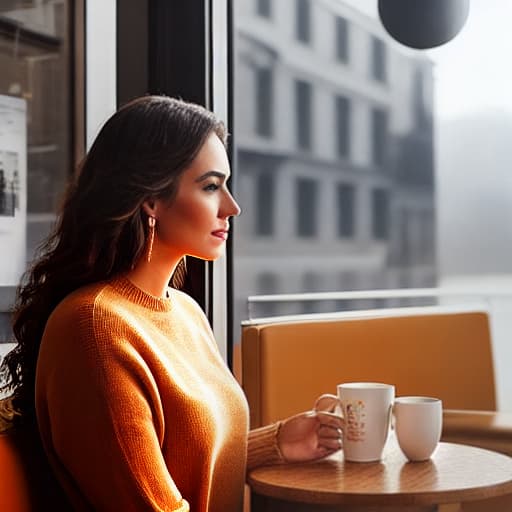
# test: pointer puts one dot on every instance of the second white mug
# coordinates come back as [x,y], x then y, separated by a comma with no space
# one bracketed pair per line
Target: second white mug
[418,425]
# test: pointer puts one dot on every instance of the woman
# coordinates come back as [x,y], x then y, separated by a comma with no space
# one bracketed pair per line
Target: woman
[135,407]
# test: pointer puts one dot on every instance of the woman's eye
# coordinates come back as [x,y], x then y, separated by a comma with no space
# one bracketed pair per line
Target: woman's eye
[211,187]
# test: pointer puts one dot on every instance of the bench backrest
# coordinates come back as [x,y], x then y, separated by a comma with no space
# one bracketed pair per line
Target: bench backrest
[285,366]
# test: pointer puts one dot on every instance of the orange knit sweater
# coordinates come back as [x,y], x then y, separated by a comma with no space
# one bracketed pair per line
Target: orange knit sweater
[136,408]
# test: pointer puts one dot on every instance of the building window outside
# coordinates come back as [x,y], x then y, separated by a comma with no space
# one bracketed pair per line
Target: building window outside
[307,207]
[346,210]
[379,136]
[264,102]
[265,188]
[343,126]
[303,107]
[422,116]
[303,20]
[264,8]
[380,214]
[341,39]
[267,284]
[378,59]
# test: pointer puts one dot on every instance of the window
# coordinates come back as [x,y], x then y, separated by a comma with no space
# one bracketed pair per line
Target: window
[307,190]
[303,20]
[380,214]
[36,127]
[341,39]
[263,8]
[346,206]
[265,188]
[303,110]
[264,102]
[379,136]
[378,59]
[343,126]
[443,189]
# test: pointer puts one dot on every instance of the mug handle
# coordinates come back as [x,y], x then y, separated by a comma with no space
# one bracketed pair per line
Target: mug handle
[327,403]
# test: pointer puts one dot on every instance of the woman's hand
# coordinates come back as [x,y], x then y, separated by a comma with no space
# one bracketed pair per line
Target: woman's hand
[310,435]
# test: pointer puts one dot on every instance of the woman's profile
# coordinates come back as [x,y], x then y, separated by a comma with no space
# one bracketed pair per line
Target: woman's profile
[118,370]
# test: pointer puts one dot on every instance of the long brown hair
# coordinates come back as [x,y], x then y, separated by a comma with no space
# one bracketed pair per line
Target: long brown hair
[139,154]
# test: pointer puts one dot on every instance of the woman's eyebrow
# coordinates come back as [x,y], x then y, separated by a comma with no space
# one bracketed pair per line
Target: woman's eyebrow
[209,174]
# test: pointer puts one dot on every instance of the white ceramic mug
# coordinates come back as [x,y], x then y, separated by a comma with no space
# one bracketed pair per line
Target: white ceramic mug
[366,408]
[418,425]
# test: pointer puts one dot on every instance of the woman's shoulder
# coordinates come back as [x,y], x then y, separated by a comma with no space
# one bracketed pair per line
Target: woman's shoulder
[83,297]
[82,303]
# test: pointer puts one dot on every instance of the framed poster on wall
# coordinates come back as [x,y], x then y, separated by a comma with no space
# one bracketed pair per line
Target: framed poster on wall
[13,189]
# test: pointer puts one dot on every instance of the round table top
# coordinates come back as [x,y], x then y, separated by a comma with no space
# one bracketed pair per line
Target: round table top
[456,473]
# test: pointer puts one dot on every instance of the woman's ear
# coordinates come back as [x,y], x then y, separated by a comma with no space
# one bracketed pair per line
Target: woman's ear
[149,207]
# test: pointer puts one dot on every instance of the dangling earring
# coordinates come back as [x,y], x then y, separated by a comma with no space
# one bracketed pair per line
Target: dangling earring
[151,224]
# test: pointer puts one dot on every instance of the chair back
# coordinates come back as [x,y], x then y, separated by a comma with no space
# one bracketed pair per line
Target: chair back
[26,481]
[423,351]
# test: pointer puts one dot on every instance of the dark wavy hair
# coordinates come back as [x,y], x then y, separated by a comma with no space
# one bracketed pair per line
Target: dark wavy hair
[139,154]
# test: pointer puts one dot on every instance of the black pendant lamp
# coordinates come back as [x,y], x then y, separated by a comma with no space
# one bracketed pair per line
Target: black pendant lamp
[423,24]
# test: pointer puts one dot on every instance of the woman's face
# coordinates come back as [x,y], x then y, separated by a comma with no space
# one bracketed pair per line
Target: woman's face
[196,221]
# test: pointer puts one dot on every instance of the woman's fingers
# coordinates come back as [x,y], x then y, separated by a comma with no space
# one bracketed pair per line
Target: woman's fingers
[330,431]
[329,444]
[330,419]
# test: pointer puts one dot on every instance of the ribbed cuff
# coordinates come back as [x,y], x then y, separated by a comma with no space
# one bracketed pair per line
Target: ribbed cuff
[263,449]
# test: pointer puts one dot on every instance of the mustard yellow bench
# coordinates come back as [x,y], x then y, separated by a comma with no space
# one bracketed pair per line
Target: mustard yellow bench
[423,351]
[428,351]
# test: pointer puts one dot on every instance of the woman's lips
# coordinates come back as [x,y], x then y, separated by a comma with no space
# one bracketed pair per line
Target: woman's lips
[222,234]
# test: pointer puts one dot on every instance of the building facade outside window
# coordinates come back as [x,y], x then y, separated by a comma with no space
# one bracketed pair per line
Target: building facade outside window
[325,131]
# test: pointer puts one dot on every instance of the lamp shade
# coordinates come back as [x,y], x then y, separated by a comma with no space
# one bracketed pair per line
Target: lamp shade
[423,24]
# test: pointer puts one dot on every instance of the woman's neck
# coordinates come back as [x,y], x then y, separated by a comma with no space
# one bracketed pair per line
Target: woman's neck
[152,277]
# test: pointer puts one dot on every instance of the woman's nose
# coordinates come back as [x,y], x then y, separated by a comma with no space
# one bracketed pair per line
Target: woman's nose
[232,209]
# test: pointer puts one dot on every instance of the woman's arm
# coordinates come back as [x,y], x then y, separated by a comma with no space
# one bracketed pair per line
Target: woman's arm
[307,436]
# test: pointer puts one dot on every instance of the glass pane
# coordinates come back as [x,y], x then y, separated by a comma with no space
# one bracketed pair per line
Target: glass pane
[389,167]
[35,128]
[335,156]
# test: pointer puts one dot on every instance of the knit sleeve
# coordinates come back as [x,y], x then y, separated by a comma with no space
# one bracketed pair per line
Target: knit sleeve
[262,448]
[99,409]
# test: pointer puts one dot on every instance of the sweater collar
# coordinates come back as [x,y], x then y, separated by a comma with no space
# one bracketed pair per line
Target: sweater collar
[137,296]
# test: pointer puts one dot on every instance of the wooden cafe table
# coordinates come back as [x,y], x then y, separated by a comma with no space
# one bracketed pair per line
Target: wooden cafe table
[455,474]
